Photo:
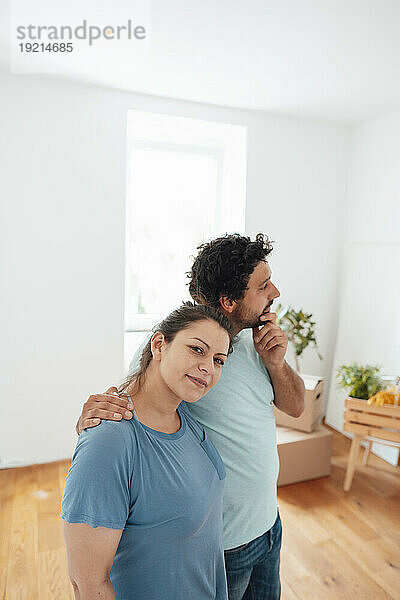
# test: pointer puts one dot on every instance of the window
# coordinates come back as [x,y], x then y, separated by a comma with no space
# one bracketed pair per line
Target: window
[186,184]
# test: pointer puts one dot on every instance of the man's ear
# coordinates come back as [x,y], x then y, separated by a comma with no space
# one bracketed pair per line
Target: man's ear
[157,343]
[227,304]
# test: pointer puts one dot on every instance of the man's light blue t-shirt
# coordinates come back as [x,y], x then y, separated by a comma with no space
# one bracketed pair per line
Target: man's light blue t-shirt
[238,416]
[165,492]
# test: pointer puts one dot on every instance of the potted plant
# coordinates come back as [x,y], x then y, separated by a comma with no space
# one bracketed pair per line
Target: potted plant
[362,381]
[299,328]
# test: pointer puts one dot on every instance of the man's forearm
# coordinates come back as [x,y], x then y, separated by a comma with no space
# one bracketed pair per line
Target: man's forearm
[288,389]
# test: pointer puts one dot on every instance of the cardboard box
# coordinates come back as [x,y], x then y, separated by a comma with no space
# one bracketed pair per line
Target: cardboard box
[312,415]
[302,455]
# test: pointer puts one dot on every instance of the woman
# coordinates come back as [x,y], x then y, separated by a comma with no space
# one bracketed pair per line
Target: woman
[142,505]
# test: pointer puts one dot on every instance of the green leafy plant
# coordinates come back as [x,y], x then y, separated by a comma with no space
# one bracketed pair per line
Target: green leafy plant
[361,381]
[299,328]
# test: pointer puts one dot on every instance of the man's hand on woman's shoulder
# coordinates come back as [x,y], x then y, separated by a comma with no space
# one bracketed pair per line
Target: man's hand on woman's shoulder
[110,406]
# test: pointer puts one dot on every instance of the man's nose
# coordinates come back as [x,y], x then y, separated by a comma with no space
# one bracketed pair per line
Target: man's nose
[277,292]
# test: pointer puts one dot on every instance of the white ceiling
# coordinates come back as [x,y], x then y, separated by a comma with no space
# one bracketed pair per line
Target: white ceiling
[329,59]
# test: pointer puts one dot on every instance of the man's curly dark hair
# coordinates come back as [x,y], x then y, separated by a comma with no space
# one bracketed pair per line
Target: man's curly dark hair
[223,267]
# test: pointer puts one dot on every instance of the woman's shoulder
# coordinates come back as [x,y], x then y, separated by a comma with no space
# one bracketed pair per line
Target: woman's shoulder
[109,435]
[107,427]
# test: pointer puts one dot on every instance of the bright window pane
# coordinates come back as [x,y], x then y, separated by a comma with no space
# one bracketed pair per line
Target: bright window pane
[173,202]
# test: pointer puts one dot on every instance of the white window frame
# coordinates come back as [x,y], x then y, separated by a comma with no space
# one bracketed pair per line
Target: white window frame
[227,143]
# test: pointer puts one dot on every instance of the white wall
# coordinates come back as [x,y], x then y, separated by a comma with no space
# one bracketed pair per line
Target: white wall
[297,176]
[369,324]
[62,243]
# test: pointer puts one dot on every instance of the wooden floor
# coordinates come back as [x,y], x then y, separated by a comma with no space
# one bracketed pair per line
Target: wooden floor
[336,545]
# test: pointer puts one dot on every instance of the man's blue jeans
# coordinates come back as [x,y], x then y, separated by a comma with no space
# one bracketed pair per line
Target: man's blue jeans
[252,570]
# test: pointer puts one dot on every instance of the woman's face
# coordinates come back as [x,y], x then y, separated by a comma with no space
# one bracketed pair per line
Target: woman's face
[192,363]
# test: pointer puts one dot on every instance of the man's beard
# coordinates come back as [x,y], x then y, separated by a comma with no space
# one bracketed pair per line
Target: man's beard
[248,321]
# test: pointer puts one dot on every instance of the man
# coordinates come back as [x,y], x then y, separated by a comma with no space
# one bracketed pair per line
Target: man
[232,274]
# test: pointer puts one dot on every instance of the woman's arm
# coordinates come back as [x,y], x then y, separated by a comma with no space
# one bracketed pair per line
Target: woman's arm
[90,555]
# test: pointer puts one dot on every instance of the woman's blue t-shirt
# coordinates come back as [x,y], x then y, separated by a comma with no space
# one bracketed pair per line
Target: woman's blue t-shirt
[165,492]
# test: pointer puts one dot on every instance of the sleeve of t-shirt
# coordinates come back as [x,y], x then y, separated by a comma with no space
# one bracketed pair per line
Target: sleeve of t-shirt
[97,487]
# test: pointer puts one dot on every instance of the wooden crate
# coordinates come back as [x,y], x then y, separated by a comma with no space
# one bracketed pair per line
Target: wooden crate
[381,422]
[369,421]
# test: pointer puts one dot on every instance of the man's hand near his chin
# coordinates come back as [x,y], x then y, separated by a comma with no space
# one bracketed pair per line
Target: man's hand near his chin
[109,406]
[271,342]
